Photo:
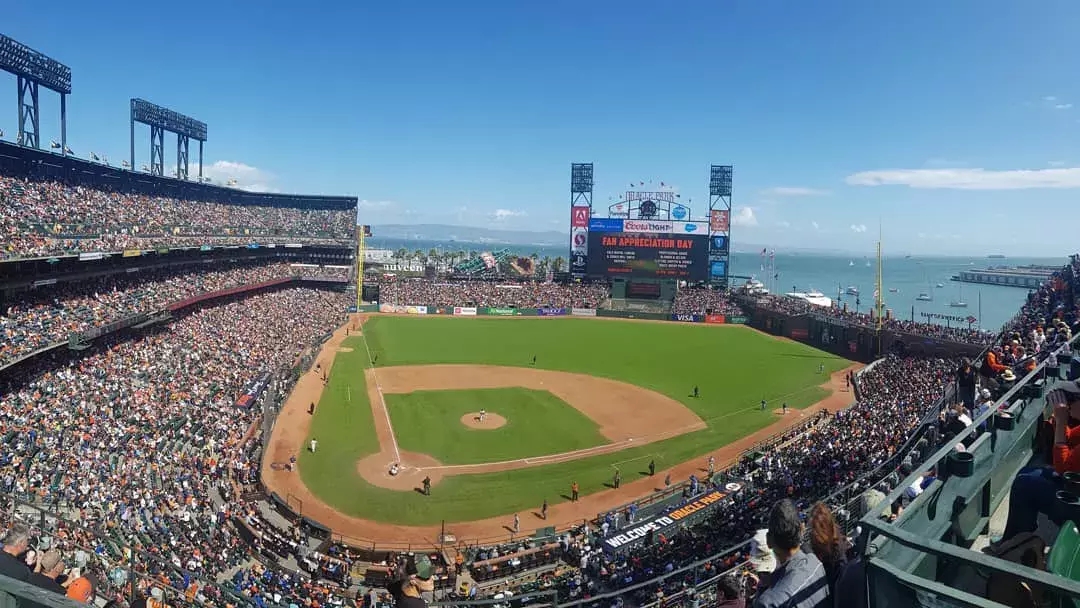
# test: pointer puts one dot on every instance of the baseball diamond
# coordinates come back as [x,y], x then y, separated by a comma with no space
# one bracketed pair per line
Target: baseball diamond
[613,395]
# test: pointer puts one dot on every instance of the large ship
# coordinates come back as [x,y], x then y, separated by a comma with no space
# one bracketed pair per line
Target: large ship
[1026,277]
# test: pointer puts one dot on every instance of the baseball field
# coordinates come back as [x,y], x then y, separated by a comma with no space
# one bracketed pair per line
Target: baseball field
[564,400]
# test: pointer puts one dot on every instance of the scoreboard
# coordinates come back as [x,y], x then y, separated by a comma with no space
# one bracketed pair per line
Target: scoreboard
[649,255]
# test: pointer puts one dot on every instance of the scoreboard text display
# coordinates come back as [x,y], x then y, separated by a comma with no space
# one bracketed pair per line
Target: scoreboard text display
[649,255]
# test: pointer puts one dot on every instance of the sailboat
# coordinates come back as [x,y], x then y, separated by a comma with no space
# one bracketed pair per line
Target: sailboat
[868,263]
[959,302]
[851,262]
[925,296]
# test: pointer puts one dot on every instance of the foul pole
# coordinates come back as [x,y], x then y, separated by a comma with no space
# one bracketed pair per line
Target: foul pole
[361,232]
[879,299]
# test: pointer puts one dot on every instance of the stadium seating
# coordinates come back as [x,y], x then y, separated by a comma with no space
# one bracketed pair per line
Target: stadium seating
[52,218]
[134,445]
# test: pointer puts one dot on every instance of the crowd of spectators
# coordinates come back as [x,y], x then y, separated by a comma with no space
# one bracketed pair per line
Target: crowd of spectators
[41,218]
[48,314]
[704,300]
[423,292]
[143,441]
[794,306]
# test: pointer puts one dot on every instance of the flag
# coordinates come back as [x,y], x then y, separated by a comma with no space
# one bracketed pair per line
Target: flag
[763,252]
[772,254]
[661,184]
[776,276]
[678,196]
[642,183]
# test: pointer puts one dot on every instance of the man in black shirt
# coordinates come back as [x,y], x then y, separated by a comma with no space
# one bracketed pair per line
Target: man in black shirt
[16,542]
[50,566]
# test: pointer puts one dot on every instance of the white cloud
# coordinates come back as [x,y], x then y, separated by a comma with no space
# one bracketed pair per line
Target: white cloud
[1062,106]
[1056,163]
[858,228]
[744,217]
[969,179]
[1050,98]
[783,224]
[795,191]
[247,177]
[501,215]
[815,225]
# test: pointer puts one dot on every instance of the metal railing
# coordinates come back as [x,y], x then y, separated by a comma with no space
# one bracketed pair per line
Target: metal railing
[918,555]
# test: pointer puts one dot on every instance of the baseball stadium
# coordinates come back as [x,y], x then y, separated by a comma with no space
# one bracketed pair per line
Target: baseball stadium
[218,397]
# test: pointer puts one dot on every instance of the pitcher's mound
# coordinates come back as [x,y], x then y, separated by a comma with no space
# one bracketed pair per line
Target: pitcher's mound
[413,468]
[491,421]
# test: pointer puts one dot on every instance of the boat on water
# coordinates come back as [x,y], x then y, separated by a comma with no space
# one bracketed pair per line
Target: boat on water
[996,256]
[756,288]
[894,290]
[939,285]
[959,301]
[852,290]
[813,297]
[925,297]
[868,263]
[851,262]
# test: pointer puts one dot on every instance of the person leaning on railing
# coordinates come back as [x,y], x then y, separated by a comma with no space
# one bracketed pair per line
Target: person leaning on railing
[1034,489]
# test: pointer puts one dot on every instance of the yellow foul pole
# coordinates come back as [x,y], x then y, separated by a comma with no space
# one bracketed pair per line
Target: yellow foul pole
[359,267]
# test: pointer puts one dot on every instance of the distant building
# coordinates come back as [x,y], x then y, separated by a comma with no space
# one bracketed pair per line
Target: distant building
[378,256]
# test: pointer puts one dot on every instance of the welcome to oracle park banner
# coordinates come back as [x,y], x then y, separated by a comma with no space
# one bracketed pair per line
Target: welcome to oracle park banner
[628,536]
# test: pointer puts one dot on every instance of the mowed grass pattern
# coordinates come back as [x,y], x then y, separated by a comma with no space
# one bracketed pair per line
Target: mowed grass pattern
[538,423]
[734,368]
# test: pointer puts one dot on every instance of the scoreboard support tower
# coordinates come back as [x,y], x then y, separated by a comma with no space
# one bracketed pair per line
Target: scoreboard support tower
[720,226]
[581,195]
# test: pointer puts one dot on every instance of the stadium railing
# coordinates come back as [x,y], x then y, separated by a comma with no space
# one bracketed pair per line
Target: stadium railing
[924,555]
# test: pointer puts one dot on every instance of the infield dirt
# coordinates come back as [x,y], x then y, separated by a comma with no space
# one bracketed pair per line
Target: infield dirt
[293,423]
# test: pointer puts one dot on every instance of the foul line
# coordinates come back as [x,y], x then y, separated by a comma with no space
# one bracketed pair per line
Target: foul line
[382,400]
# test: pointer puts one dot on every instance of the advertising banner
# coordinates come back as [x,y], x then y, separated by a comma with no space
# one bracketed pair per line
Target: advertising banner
[95,255]
[649,256]
[579,217]
[717,268]
[352,308]
[205,248]
[132,253]
[583,312]
[627,536]
[603,224]
[465,311]
[738,320]
[551,312]
[718,220]
[251,392]
[647,226]
[500,312]
[163,250]
[717,319]
[719,242]
[403,309]
[800,334]
[687,318]
[579,240]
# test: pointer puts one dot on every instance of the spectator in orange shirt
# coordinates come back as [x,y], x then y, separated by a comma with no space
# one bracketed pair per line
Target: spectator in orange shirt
[1034,489]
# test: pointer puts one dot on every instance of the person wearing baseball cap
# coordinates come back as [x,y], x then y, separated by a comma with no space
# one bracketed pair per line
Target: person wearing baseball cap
[408,586]
[1034,489]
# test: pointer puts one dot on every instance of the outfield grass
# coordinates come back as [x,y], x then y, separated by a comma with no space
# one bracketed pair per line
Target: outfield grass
[734,367]
[538,423]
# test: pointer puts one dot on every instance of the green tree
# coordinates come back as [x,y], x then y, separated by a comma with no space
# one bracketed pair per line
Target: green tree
[559,261]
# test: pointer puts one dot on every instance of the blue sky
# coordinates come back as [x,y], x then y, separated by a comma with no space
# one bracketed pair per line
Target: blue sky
[955,125]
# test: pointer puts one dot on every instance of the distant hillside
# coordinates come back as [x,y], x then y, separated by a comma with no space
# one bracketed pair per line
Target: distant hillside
[467,234]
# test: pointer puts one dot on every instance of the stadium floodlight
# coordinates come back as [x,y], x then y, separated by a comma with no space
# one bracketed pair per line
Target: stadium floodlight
[54,145]
[33,70]
[1,132]
[159,120]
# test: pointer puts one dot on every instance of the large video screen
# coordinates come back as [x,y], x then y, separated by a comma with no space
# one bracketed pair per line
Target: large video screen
[649,255]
